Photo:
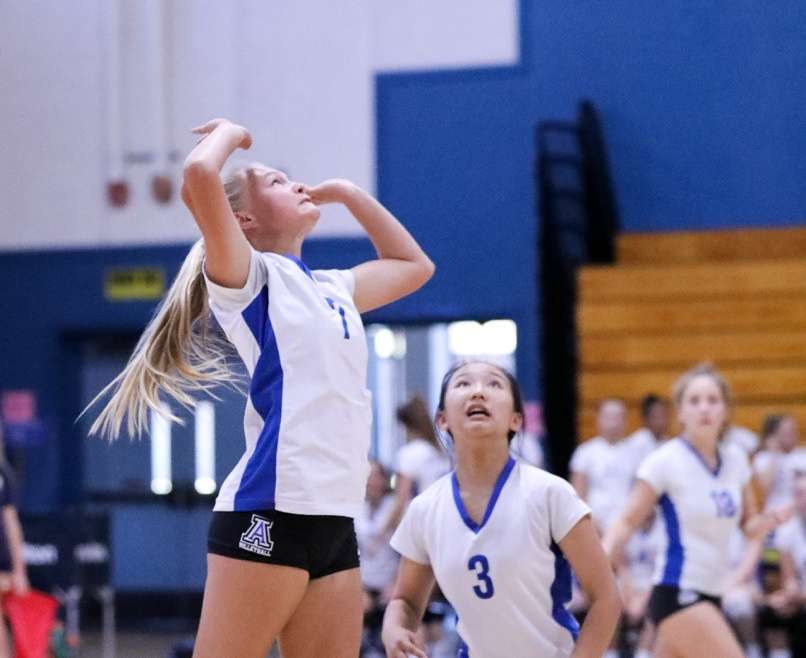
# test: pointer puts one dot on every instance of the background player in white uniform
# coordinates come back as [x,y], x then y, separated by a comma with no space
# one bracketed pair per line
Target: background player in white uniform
[378,559]
[654,425]
[421,461]
[282,554]
[702,490]
[780,459]
[603,468]
[496,535]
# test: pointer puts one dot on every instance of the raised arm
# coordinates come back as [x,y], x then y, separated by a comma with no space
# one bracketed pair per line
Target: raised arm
[401,267]
[404,612]
[584,551]
[227,252]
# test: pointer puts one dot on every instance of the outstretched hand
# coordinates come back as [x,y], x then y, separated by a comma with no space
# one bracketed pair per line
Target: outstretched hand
[333,190]
[776,517]
[206,128]
[403,643]
[764,523]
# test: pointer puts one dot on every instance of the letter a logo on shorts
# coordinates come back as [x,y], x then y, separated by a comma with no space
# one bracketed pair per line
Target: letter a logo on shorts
[257,538]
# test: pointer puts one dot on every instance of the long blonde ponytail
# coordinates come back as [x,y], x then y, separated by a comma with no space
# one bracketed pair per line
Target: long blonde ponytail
[177,355]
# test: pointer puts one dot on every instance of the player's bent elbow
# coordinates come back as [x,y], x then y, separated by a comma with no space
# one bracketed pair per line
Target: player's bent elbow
[424,271]
[429,268]
[197,173]
[185,195]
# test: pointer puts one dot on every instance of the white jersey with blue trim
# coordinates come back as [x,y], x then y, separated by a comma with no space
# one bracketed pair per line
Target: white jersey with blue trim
[308,412]
[506,576]
[700,508]
[791,537]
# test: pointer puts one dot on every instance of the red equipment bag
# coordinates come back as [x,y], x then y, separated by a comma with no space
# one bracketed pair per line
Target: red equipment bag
[31,616]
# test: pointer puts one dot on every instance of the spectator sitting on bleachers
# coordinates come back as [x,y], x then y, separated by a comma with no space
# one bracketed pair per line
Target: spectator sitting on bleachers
[378,559]
[781,458]
[743,594]
[784,615]
[654,424]
[603,468]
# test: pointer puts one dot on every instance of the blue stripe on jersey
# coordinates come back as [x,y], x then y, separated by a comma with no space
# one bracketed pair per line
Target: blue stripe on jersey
[499,485]
[561,593]
[462,650]
[674,549]
[302,265]
[259,479]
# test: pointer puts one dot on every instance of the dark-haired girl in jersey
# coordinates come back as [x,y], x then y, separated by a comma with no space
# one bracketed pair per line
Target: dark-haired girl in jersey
[498,536]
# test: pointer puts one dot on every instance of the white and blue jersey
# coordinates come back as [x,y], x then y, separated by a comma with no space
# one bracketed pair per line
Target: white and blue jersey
[308,412]
[700,509]
[506,576]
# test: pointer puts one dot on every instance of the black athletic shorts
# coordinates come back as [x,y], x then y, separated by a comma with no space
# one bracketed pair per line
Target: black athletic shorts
[665,600]
[321,545]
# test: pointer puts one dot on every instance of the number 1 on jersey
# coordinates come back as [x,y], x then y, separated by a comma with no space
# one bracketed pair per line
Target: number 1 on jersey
[341,312]
[479,564]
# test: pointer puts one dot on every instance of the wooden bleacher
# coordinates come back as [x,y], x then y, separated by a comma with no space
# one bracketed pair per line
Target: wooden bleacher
[711,246]
[736,298]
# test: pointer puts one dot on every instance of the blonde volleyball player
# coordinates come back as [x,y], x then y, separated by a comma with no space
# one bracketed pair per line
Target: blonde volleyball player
[498,536]
[702,491]
[282,553]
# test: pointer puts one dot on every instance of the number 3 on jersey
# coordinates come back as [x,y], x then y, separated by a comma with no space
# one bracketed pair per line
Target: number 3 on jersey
[479,564]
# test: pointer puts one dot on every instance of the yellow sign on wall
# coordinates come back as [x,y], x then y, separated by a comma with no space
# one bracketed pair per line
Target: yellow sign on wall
[134,283]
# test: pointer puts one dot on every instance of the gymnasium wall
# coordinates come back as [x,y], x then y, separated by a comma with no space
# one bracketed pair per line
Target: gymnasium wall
[299,75]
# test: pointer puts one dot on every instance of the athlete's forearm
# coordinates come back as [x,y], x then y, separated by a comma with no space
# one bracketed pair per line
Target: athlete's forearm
[388,235]
[14,532]
[758,525]
[399,630]
[600,624]
[212,152]
[616,537]
[400,614]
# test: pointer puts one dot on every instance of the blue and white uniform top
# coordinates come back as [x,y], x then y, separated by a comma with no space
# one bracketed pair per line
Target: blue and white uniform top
[791,537]
[609,469]
[308,412]
[506,577]
[700,508]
